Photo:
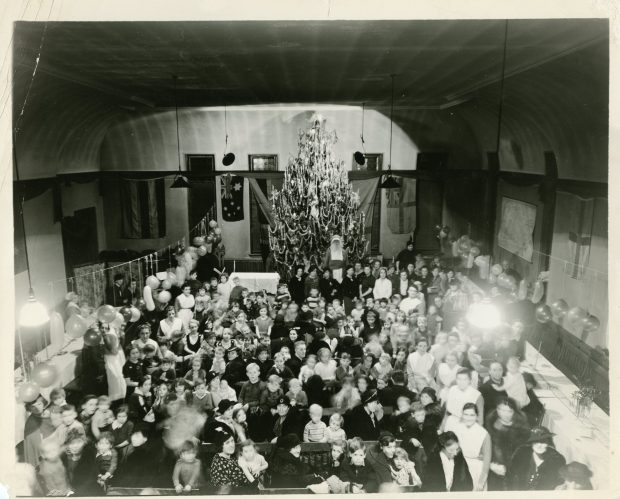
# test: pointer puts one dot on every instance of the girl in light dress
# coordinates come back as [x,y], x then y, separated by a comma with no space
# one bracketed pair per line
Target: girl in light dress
[458,395]
[446,375]
[307,369]
[184,305]
[403,471]
[420,368]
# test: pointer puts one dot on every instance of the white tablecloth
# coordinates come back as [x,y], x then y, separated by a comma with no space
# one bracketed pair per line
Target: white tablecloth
[585,438]
[65,363]
[258,281]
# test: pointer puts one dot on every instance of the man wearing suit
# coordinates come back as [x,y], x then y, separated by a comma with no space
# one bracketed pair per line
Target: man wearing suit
[363,421]
[118,294]
[446,469]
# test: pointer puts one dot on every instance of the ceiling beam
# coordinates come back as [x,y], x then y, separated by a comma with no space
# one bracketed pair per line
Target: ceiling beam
[87,82]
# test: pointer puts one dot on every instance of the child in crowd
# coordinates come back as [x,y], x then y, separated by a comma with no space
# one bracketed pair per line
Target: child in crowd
[313,298]
[187,469]
[196,372]
[106,459]
[201,399]
[296,395]
[334,432]
[383,367]
[103,417]
[514,383]
[307,369]
[357,472]
[263,323]
[121,428]
[271,393]
[165,373]
[69,423]
[314,431]
[404,471]
[348,397]
[51,471]
[58,397]
[249,457]
[344,369]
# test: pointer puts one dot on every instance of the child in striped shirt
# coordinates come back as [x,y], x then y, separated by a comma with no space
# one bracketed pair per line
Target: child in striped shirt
[315,429]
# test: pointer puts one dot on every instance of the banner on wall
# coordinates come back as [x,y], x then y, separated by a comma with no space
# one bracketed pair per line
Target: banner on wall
[401,207]
[516,230]
[232,197]
[143,208]
[581,216]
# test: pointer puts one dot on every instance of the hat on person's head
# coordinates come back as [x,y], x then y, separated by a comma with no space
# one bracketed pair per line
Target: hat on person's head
[119,277]
[288,441]
[539,434]
[226,323]
[576,472]
[221,434]
[237,350]
[224,405]
[283,400]
[369,396]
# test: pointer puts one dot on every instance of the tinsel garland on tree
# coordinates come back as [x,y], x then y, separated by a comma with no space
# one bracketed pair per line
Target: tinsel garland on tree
[315,203]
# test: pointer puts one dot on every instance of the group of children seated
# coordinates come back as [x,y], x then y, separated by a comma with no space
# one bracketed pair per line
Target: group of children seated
[260,367]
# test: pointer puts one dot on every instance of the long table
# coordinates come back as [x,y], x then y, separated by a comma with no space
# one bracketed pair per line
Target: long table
[583,438]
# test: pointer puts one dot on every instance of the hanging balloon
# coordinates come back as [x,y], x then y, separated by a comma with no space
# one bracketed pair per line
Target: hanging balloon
[92,337]
[126,313]
[210,239]
[152,282]
[465,246]
[141,304]
[575,316]
[202,250]
[497,269]
[118,321]
[474,251]
[591,324]
[511,282]
[543,314]
[164,297]
[538,292]
[213,224]
[522,293]
[166,284]
[28,392]
[502,280]
[44,374]
[75,326]
[559,308]
[147,294]
[172,277]
[106,313]
[198,241]
[135,313]
[217,231]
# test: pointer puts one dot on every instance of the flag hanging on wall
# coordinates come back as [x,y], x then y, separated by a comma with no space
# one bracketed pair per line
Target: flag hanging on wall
[232,197]
[143,206]
[401,207]
[579,235]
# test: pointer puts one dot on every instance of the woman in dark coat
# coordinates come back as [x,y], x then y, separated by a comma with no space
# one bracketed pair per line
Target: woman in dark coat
[296,286]
[508,428]
[435,480]
[362,421]
[349,289]
[328,286]
[536,465]
[286,468]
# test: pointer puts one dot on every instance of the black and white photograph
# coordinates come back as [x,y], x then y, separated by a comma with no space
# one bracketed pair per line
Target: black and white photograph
[327,254]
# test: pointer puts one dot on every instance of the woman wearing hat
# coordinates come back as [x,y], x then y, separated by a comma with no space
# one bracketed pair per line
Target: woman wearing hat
[286,467]
[223,420]
[576,476]
[336,258]
[508,428]
[363,420]
[536,465]
[286,420]
[226,472]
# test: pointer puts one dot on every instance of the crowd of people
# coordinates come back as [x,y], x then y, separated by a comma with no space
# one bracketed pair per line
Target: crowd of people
[227,388]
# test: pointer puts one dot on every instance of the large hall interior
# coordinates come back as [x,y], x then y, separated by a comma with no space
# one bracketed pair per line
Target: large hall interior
[310,256]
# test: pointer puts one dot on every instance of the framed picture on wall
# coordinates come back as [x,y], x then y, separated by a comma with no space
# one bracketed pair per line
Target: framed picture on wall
[516,230]
[374,163]
[263,162]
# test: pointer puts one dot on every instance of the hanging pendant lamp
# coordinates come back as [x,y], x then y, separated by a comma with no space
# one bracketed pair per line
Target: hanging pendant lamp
[180,181]
[229,158]
[360,157]
[389,181]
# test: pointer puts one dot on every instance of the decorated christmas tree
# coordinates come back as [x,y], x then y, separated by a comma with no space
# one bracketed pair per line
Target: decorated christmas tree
[315,203]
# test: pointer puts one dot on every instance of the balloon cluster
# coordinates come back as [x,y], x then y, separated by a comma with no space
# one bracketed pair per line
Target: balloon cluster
[463,246]
[576,317]
[442,231]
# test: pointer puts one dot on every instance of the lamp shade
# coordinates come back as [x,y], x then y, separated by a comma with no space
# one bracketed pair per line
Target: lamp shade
[33,313]
[484,315]
[180,182]
[390,183]
[229,159]
[359,157]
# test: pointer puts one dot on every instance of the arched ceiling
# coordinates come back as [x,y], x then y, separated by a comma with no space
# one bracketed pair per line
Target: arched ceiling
[447,83]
